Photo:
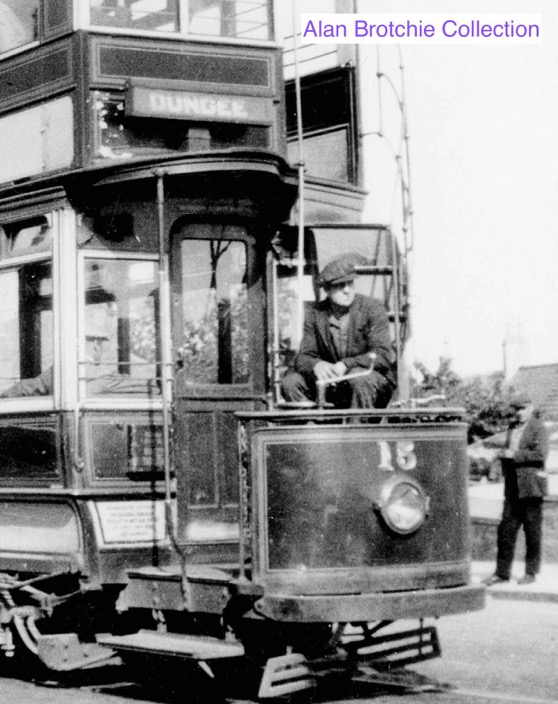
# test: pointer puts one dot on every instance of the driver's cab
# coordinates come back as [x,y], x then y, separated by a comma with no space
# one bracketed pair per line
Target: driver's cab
[381,275]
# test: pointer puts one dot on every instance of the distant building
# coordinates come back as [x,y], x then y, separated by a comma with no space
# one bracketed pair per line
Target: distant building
[540,382]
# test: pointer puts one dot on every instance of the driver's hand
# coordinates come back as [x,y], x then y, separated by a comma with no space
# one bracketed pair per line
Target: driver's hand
[340,368]
[325,370]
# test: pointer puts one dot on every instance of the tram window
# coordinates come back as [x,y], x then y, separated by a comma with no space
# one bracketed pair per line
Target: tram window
[26,321]
[19,23]
[288,292]
[120,330]
[214,347]
[368,247]
[30,236]
[244,19]
[126,450]
[122,136]
[326,155]
[28,451]
[329,122]
[154,15]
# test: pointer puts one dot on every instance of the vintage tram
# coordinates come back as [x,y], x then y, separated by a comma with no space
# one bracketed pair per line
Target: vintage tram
[154,487]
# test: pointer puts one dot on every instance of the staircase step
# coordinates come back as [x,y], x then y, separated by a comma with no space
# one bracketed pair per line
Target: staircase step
[175,644]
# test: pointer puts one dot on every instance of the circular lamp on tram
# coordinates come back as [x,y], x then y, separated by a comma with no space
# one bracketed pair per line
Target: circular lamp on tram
[403,505]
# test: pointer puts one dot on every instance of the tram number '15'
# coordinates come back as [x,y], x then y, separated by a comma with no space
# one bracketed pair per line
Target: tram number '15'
[405,457]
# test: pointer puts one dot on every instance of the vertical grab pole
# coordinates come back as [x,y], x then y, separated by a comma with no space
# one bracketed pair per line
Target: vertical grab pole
[166,379]
[300,270]
[164,307]
[397,308]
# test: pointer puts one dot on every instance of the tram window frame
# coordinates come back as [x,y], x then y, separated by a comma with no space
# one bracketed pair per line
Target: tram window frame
[34,383]
[142,389]
[185,14]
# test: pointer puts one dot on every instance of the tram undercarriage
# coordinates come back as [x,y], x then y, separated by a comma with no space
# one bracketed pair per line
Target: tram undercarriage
[270,657]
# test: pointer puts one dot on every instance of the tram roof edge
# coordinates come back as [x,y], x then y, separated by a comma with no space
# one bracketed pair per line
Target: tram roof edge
[135,168]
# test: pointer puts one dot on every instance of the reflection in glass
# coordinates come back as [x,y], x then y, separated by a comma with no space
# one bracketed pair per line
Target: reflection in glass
[214,347]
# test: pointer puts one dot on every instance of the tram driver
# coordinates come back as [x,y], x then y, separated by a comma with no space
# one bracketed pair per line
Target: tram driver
[340,333]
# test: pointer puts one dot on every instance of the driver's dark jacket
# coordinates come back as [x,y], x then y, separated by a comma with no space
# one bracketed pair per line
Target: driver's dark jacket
[368,332]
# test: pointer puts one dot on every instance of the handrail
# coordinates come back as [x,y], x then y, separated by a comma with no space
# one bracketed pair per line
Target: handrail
[323,383]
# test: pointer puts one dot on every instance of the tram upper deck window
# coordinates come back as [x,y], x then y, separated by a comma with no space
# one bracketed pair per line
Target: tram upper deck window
[326,154]
[120,352]
[242,19]
[214,346]
[154,15]
[19,23]
[245,19]
[123,136]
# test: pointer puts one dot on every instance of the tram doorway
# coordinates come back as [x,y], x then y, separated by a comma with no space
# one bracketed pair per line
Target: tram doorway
[218,343]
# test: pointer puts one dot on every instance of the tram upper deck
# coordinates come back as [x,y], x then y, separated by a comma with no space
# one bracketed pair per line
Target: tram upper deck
[91,82]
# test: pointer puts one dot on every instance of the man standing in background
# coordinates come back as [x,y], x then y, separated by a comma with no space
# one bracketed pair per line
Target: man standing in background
[523,463]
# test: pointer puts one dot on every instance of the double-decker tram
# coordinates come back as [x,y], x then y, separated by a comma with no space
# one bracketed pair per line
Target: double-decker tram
[156,486]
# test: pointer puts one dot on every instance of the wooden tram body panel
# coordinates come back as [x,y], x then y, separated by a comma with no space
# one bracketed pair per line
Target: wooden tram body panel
[89,455]
[321,547]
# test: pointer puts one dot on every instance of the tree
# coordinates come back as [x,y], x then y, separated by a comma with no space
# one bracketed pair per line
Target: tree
[486,400]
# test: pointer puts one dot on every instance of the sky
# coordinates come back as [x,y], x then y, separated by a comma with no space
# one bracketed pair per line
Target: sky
[484,177]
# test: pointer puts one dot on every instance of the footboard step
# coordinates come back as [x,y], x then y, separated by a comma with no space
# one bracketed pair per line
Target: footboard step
[63,652]
[284,675]
[174,644]
[398,649]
